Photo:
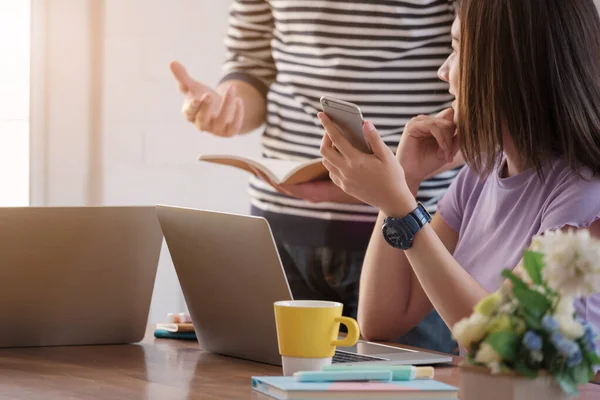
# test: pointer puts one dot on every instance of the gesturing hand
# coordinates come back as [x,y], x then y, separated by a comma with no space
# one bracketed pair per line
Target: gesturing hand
[221,115]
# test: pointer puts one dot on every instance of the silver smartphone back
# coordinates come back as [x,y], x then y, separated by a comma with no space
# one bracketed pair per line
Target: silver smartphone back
[348,119]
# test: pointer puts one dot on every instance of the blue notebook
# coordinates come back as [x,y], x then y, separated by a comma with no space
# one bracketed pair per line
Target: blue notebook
[283,388]
[164,334]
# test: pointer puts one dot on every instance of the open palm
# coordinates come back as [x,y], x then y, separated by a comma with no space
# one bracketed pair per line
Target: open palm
[209,111]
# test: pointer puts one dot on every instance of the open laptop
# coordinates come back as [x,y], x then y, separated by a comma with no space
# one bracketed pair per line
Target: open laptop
[76,275]
[231,274]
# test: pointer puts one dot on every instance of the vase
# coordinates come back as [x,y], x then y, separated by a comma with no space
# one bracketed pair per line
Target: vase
[478,383]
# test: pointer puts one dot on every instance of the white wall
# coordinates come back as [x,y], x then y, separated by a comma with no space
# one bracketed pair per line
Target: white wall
[14,103]
[106,121]
[149,150]
[61,94]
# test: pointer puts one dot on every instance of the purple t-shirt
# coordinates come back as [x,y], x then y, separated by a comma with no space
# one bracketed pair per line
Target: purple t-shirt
[496,219]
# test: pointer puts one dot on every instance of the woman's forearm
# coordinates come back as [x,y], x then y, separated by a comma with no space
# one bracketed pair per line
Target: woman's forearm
[450,288]
[385,290]
[391,300]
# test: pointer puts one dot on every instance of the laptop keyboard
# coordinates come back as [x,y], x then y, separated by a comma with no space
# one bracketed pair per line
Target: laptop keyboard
[345,357]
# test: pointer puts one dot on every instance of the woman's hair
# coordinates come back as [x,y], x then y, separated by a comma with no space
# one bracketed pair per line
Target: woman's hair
[530,68]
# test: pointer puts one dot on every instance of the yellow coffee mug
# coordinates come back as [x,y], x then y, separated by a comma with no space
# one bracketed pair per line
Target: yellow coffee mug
[308,329]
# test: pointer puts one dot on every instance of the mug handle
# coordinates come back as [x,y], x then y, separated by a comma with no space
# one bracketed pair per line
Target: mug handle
[353,332]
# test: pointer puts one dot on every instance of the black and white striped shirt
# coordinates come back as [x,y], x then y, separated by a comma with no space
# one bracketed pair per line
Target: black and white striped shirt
[382,55]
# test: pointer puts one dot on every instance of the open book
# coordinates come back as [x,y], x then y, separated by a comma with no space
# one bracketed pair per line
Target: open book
[277,171]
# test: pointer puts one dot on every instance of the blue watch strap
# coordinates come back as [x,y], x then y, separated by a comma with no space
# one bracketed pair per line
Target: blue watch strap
[420,215]
[400,232]
[413,222]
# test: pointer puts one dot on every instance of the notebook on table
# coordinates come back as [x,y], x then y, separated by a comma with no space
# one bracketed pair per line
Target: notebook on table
[287,388]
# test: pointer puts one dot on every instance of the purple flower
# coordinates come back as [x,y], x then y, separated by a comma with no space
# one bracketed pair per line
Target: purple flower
[557,338]
[549,323]
[574,359]
[589,337]
[532,341]
[567,348]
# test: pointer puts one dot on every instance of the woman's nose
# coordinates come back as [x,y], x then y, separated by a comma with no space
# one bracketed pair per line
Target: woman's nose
[443,71]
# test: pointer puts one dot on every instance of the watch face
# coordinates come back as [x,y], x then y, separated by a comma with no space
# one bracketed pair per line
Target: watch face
[394,237]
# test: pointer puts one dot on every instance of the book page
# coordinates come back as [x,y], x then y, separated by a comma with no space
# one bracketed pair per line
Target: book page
[281,169]
[308,172]
[278,171]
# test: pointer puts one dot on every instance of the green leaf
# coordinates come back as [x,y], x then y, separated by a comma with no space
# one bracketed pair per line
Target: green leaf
[505,344]
[567,384]
[581,373]
[516,281]
[532,321]
[556,363]
[591,374]
[534,302]
[591,357]
[524,370]
[534,263]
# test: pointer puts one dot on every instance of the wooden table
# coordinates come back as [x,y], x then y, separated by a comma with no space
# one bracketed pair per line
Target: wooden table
[154,369]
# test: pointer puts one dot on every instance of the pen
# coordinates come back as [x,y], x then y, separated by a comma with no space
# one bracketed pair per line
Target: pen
[379,375]
[399,372]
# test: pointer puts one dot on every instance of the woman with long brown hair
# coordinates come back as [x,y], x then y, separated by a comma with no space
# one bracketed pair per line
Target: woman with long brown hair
[526,75]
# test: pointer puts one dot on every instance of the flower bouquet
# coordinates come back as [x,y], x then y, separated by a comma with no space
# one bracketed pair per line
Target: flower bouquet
[529,328]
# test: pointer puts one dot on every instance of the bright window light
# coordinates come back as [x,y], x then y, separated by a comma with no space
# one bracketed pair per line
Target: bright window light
[15,21]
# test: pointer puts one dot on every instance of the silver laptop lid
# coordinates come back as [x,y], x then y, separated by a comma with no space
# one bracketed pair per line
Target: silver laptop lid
[76,275]
[230,273]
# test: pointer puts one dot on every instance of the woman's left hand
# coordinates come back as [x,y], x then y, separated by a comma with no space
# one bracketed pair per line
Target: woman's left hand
[376,179]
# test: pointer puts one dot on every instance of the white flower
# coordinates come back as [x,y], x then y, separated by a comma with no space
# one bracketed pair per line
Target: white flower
[567,325]
[565,306]
[494,367]
[572,261]
[508,307]
[488,356]
[537,244]
[537,356]
[470,330]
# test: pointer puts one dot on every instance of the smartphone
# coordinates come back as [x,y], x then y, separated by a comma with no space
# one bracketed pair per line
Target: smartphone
[348,118]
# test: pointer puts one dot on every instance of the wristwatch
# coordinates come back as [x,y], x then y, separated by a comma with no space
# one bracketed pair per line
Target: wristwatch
[400,232]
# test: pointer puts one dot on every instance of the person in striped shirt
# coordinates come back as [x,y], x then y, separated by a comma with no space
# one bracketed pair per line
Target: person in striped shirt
[283,55]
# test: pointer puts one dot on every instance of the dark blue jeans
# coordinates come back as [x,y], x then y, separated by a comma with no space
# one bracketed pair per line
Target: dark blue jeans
[326,274]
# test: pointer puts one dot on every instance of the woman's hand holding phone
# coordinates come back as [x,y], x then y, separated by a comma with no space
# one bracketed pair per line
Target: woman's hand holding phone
[376,179]
[382,179]
[347,117]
